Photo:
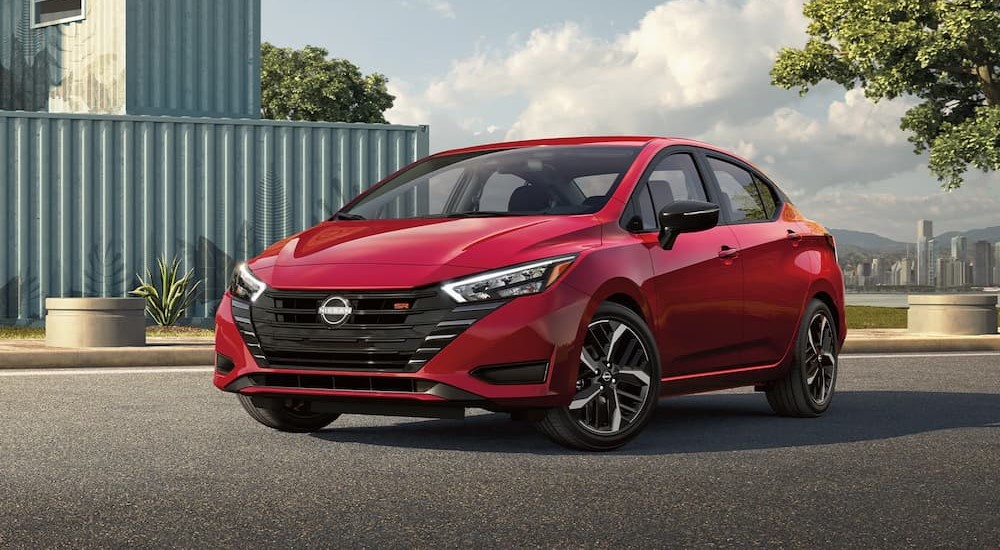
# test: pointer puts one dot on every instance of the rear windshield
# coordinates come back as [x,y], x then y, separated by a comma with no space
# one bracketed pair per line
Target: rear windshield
[550,180]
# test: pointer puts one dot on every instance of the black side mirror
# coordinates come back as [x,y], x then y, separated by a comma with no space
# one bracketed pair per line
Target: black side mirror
[686,217]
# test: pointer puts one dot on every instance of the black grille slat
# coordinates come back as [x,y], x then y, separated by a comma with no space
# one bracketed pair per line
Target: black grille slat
[283,329]
[335,382]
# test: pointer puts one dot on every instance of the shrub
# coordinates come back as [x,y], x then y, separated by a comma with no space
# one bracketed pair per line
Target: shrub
[168,302]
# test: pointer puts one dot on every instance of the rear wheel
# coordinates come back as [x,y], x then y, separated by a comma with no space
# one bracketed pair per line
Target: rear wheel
[290,416]
[807,389]
[617,384]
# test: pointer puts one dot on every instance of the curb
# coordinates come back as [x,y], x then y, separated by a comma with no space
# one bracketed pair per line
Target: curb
[151,356]
[922,345]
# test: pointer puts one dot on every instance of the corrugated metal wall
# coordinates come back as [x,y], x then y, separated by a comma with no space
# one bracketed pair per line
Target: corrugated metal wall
[88,201]
[193,58]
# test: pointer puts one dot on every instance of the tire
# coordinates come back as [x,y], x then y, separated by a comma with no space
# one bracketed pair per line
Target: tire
[614,399]
[288,418]
[807,389]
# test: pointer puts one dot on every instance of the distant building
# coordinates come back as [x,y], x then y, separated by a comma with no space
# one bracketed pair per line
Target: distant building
[925,234]
[932,263]
[879,269]
[960,248]
[982,267]
[902,273]
[996,264]
[864,274]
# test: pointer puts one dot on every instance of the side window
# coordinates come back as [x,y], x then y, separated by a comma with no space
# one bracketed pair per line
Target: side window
[641,206]
[766,197]
[740,196]
[675,178]
[497,191]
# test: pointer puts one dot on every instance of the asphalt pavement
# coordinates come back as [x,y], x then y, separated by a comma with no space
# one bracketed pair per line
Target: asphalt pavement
[908,456]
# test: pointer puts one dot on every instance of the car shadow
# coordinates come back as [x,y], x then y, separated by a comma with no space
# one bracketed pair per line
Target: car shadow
[707,423]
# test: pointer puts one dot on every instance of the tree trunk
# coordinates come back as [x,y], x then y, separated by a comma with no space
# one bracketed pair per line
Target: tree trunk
[991,85]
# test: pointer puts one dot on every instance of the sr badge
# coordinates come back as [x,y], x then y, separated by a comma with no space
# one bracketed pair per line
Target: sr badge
[335,310]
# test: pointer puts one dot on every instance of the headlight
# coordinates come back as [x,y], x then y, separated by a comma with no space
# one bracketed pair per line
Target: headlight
[510,282]
[245,284]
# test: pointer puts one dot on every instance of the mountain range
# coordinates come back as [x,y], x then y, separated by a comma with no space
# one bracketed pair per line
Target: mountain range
[860,241]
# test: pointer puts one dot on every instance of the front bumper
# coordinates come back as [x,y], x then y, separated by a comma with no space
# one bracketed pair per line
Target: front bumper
[528,338]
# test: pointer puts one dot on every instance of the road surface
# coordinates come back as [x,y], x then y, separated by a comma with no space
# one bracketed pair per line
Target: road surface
[908,455]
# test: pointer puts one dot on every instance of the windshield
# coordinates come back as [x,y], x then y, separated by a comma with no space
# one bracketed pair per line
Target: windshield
[553,180]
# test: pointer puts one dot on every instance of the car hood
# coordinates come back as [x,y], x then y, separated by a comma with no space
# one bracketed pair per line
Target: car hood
[417,252]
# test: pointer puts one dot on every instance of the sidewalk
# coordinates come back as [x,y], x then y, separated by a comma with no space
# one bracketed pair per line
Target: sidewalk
[164,352]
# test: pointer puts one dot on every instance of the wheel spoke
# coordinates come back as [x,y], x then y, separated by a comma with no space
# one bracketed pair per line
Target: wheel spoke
[640,376]
[811,344]
[584,397]
[615,336]
[627,395]
[616,412]
[593,364]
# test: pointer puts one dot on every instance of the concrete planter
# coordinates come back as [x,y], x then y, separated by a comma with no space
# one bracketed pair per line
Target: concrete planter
[952,313]
[95,322]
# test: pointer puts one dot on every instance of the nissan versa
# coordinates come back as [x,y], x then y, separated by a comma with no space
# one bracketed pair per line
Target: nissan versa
[569,282]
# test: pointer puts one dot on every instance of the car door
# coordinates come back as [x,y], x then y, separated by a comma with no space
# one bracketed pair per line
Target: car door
[697,285]
[774,288]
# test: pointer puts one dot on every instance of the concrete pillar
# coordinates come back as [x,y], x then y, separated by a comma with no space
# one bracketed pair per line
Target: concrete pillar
[952,313]
[95,322]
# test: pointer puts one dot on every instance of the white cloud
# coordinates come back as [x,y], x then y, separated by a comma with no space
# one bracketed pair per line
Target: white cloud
[696,68]
[441,7]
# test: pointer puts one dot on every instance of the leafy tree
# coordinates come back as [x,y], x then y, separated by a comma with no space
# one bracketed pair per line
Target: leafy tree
[305,85]
[944,52]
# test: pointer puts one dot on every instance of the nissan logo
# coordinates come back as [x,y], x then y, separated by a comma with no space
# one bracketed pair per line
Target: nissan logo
[335,310]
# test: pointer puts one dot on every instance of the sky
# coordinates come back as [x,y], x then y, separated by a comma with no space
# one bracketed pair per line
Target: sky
[480,72]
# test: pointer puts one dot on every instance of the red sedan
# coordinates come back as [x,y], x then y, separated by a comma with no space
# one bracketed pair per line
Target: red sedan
[570,282]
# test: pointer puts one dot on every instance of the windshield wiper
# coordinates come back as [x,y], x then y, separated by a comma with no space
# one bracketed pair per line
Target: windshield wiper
[347,216]
[482,214]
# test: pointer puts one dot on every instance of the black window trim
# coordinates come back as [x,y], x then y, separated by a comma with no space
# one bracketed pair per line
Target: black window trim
[779,198]
[706,184]
[70,19]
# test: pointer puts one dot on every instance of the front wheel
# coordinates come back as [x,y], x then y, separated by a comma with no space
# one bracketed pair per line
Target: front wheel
[807,389]
[617,384]
[290,416]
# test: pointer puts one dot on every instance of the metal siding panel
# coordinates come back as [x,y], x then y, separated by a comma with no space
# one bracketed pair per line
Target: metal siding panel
[193,58]
[92,200]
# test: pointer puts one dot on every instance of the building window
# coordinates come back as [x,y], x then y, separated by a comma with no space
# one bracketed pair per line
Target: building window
[53,12]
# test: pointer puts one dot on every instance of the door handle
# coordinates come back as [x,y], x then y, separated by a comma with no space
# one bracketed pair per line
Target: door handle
[728,253]
[794,237]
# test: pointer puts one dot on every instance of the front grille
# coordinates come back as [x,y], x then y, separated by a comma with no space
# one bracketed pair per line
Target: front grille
[386,331]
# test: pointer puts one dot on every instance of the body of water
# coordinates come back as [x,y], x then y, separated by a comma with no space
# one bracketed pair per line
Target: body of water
[879,299]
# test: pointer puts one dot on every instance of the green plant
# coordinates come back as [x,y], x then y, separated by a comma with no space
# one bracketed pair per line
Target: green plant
[174,296]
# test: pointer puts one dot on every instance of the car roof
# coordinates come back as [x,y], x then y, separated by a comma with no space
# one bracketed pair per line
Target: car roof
[635,141]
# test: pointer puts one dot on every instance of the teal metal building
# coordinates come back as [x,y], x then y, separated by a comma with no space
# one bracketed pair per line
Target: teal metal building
[130,131]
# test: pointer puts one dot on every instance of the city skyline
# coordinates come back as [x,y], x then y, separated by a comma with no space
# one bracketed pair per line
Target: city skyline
[964,267]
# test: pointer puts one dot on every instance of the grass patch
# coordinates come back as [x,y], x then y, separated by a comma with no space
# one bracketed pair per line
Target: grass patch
[38,333]
[859,317]
[21,333]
